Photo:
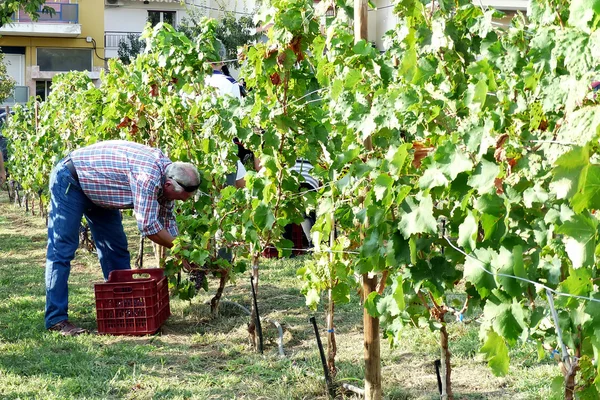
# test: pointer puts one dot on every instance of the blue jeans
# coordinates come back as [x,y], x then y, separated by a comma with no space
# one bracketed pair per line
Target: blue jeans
[68,204]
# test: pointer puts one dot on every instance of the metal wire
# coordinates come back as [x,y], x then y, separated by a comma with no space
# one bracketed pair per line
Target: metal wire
[536,284]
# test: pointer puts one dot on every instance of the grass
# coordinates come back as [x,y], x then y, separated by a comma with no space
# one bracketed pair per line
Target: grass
[197,357]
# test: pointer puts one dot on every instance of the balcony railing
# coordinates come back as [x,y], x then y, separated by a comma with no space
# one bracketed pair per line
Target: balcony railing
[112,38]
[65,13]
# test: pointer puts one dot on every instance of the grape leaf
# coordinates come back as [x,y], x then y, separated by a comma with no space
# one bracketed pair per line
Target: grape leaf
[581,12]
[418,217]
[467,232]
[483,178]
[580,243]
[475,273]
[496,353]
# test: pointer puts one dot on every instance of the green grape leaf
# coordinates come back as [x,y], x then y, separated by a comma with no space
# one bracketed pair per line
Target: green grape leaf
[263,217]
[341,293]
[467,232]
[507,319]
[579,282]
[581,12]
[505,264]
[475,273]
[483,178]
[396,156]
[496,353]
[580,240]
[588,195]
[418,216]
[383,185]
[371,304]
[452,161]
[398,292]
[432,177]
[312,298]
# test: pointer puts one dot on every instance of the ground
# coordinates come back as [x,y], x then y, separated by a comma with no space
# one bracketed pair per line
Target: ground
[197,357]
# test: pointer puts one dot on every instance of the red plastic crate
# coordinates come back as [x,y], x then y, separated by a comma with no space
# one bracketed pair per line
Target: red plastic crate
[132,302]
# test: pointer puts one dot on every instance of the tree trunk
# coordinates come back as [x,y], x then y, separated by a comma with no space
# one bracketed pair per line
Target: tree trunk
[41,203]
[371,345]
[446,367]
[572,372]
[331,343]
[570,381]
[214,302]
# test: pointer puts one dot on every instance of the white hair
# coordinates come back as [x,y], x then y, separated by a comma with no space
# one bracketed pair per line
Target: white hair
[182,173]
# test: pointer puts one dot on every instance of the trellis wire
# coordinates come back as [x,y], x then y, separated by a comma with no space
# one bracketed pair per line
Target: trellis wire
[536,284]
[314,250]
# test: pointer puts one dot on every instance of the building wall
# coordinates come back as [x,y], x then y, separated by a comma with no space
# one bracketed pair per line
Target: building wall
[91,26]
[381,20]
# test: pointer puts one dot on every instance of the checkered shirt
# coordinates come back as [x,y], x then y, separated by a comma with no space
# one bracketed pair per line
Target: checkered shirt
[120,174]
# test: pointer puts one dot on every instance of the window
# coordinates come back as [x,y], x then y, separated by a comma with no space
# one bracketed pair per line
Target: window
[63,60]
[155,17]
[43,89]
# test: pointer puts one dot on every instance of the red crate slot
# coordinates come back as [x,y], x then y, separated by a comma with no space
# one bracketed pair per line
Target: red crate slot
[132,302]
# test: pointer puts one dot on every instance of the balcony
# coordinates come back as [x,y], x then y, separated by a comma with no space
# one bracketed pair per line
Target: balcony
[112,40]
[63,23]
[504,5]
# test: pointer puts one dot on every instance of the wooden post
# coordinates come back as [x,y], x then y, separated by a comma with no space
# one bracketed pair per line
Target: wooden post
[372,354]
[159,254]
[331,342]
[360,20]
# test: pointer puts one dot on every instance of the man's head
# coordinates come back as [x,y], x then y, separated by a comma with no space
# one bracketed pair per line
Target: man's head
[181,181]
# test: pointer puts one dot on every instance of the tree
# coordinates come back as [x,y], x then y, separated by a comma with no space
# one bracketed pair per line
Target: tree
[31,7]
[7,83]
[231,31]
[129,48]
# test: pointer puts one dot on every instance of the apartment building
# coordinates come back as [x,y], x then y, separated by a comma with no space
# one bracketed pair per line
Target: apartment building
[123,18]
[382,18]
[70,39]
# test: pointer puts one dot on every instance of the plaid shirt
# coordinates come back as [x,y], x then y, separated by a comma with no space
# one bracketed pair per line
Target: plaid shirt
[120,174]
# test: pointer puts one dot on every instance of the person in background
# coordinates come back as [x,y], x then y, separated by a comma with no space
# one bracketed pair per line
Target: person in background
[2,170]
[227,86]
[96,182]
[225,83]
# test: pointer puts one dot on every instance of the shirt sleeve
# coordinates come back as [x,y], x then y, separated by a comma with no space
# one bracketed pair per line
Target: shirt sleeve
[167,217]
[145,205]
[241,171]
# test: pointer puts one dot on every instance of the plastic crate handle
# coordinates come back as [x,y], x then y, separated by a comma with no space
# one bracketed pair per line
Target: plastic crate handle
[128,275]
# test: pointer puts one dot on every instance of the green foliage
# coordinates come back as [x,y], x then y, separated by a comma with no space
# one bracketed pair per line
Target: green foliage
[233,32]
[480,136]
[31,7]
[7,83]
[129,48]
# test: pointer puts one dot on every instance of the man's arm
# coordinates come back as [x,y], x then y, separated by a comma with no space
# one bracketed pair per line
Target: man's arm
[2,170]
[163,238]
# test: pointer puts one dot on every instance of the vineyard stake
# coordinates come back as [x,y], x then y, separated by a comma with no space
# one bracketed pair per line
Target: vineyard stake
[257,320]
[438,364]
[328,382]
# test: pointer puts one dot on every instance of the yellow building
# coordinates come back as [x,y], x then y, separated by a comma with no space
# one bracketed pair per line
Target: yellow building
[72,39]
